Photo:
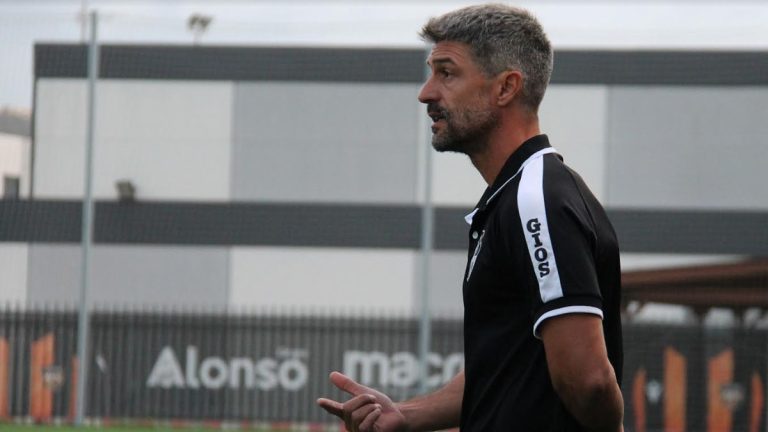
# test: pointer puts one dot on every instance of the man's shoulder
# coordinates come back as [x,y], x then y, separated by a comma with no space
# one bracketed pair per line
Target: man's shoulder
[559,183]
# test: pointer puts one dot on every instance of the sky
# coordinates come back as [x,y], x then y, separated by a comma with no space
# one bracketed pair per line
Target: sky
[571,24]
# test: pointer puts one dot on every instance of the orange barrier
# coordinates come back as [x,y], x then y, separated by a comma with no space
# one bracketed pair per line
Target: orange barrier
[4,369]
[40,397]
[675,381]
[638,400]
[720,374]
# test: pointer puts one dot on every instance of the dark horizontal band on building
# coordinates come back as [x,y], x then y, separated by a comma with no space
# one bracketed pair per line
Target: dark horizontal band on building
[231,63]
[357,226]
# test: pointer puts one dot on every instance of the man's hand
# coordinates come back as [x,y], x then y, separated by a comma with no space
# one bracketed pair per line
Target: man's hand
[367,411]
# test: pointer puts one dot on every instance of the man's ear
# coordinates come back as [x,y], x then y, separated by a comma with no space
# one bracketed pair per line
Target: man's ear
[509,86]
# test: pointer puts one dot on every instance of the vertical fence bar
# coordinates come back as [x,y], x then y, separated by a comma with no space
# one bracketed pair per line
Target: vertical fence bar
[17,340]
[87,227]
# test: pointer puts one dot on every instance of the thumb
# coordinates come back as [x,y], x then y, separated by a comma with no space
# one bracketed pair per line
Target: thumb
[347,384]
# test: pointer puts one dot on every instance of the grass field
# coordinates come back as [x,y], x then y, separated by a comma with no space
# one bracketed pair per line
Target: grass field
[38,428]
[5,427]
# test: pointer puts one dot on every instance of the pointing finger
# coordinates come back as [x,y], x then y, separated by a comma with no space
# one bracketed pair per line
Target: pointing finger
[347,384]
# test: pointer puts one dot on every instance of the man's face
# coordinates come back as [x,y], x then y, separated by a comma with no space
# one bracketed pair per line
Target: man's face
[458,100]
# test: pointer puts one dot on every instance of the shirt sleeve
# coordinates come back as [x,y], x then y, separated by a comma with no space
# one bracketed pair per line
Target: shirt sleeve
[559,238]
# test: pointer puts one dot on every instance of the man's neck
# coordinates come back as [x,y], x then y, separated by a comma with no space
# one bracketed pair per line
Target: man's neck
[504,141]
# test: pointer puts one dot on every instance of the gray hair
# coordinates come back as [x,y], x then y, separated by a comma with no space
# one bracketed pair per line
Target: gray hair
[500,38]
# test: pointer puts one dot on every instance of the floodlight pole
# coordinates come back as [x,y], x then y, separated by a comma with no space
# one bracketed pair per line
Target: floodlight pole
[427,242]
[87,227]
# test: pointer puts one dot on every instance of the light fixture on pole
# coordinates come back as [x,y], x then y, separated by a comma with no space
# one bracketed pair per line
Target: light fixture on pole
[198,25]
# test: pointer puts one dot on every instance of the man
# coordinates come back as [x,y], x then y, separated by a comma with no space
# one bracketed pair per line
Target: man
[542,330]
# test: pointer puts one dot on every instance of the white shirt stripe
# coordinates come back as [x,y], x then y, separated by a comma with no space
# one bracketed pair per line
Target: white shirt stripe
[468,218]
[533,216]
[531,158]
[564,311]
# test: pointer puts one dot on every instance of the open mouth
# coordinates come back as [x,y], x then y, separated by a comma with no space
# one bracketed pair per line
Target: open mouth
[436,116]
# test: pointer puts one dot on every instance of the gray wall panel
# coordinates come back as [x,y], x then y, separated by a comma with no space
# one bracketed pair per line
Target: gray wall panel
[130,275]
[694,147]
[445,283]
[53,274]
[325,142]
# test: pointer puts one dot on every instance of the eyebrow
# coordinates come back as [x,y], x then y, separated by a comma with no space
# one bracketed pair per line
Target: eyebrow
[440,61]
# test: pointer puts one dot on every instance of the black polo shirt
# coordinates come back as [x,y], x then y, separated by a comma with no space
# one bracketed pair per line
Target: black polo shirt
[540,246]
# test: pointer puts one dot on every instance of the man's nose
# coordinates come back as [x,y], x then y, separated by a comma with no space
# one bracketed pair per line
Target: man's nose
[427,93]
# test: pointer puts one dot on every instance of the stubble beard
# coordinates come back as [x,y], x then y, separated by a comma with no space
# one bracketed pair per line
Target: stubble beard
[466,131]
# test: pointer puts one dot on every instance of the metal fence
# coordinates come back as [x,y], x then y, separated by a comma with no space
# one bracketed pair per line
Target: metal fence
[209,366]
[272,366]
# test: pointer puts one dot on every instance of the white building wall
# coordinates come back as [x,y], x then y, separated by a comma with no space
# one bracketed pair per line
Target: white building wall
[322,279]
[688,147]
[14,161]
[575,119]
[130,276]
[13,273]
[172,139]
[60,121]
[325,142]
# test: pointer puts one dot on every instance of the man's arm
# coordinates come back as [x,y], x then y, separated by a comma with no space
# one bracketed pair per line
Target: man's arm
[438,410]
[370,410]
[580,371]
